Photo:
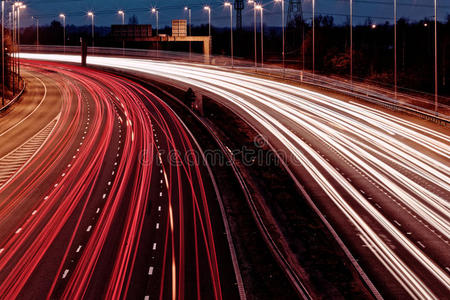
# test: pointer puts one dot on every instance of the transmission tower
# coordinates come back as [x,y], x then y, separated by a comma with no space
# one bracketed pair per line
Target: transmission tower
[295,11]
[239,7]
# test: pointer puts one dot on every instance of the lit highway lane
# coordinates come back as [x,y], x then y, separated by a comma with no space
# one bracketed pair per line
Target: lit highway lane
[383,181]
[82,234]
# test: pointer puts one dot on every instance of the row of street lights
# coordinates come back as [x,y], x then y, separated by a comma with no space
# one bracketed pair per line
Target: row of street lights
[14,17]
[256,8]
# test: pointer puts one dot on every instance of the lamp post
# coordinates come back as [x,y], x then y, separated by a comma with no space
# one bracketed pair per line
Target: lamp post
[395,49]
[283,54]
[63,16]
[13,39]
[156,12]
[351,43]
[230,6]
[208,9]
[261,10]
[313,38]
[37,30]
[254,27]
[435,60]
[19,7]
[91,14]
[122,13]
[188,9]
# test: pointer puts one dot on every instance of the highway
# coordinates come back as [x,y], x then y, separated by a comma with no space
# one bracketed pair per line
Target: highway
[97,198]
[382,179]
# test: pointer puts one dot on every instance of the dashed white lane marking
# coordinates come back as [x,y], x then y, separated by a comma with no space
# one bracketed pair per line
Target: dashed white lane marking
[89,228]
[154,246]
[104,196]
[79,248]
[34,212]
[65,273]
[421,245]
[1,250]
[150,271]
[159,208]
[160,194]
[157,225]
[396,222]
[18,230]
[98,210]
[147,298]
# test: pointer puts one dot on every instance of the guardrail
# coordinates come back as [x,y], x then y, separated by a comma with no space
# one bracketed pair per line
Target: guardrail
[408,101]
[14,100]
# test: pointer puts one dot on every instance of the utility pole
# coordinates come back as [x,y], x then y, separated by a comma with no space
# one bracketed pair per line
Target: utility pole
[351,42]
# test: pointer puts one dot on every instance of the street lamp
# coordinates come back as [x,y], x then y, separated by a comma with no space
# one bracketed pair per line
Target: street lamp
[351,42]
[254,27]
[156,12]
[91,14]
[230,6]
[63,16]
[395,49]
[284,35]
[20,6]
[37,30]
[188,9]
[261,10]
[208,9]
[122,13]
[313,38]
[435,60]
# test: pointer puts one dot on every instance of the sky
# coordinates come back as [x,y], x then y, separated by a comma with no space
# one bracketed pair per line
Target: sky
[105,11]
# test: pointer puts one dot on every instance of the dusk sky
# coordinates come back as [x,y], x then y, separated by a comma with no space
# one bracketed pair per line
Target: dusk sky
[106,10]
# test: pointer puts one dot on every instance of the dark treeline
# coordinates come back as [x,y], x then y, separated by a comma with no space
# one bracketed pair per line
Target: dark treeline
[373,47]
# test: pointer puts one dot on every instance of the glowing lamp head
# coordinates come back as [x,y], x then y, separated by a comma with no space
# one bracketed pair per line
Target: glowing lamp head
[374,26]
[62,16]
[227,4]
[90,14]
[207,8]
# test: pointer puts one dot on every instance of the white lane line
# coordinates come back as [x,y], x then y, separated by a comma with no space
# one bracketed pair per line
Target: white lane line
[157,225]
[34,110]
[79,248]
[154,246]
[147,298]
[396,222]
[1,250]
[150,271]
[89,228]
[104,196]
[34,212]
[159,208]
[98,210]
[421,245]
[18,230]
[160,194]
[65,273]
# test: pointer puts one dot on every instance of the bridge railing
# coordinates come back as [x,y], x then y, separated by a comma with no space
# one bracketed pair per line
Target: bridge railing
[409,100]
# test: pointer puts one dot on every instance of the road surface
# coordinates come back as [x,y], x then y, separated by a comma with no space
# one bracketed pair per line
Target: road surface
[102,202]
[381,179]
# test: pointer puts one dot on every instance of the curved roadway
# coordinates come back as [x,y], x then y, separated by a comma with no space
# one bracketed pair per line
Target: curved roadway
[106,204]
[382,179]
